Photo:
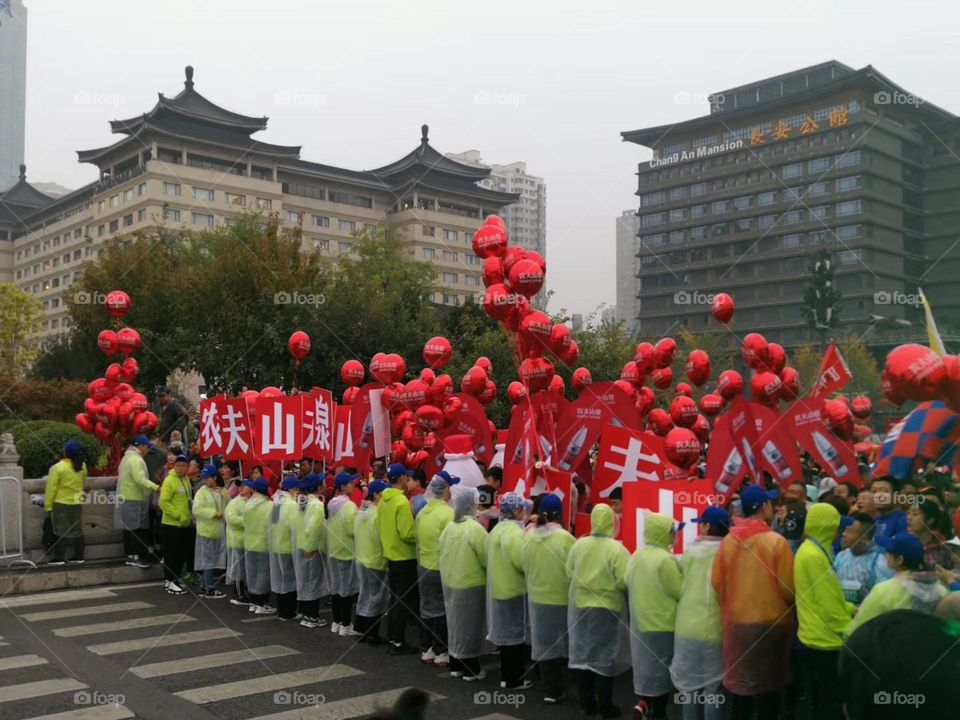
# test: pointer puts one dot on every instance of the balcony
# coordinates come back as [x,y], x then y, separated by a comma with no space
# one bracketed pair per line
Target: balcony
[118,179]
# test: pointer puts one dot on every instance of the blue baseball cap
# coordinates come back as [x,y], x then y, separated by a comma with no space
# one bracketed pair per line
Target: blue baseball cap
[311,482]
[142,440]
[260,485]
[714,515]
[447,477]
[551,504]
[290,482]
[754,497]
[209,471]
[72,449]
[344,478]
[905,544]
[182,458]
[511,502]
[377,486]
[398,470]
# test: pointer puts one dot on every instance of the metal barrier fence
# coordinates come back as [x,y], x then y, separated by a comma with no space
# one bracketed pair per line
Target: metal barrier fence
[8,557]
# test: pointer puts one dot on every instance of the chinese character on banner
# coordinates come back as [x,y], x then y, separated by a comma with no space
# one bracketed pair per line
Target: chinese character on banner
[560,483]
[781,131]
[236,427]
[681,500]
[626,457]
[211,433]
[318,418]
[280,435]
[342,439]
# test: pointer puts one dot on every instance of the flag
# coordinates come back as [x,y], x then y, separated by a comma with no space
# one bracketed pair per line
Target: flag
[834,373]
[935,341]
[930,433]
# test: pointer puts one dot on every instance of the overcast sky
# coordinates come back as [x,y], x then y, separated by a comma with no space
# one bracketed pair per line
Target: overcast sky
[551,82]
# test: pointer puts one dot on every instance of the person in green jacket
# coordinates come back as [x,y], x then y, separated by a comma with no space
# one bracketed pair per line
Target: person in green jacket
[63,500]
[823,613]
[236,574]
[176,495]
[310,551]
[399,538]
[283,523]
[463,571]
[697,666]
[341,548]
[654,585]
[543,557]
[132,511]
[256,546]
[374,597]
[210,556]
[430,523]
[597,569]
[507,591]
[912,588]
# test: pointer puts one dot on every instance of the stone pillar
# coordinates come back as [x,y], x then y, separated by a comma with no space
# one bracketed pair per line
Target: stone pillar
[11,494]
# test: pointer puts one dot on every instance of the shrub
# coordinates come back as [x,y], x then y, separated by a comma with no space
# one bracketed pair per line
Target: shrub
[29,399]
[40,445]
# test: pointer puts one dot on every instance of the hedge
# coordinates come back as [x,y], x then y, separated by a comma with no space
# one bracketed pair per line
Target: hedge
[40,444]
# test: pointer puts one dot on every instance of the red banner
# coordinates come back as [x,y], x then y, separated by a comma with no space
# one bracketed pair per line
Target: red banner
[279,434]
[522,448]
[682,500]
[561,483]
[778,453]
[236,423]
[835,456]
[725,465]
[319,414]
[583,420]
[628,457]
[743,430]
[362,425]
[211,432]
[342,441]
[472,421]
[834,373]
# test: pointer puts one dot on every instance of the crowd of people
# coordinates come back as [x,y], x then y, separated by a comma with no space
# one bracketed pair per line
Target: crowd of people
[816,592]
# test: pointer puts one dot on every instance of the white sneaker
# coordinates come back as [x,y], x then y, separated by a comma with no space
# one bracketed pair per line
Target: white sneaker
[252,607]
[238,601]
[175,589]
[442,660]
[348,631]
[428,656]
[56,563]
[482,675]
[265,610]
[456,674]
[335,627]
[524,685]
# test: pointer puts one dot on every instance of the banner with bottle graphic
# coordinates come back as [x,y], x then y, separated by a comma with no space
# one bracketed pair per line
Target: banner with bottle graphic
[743,430]
[628,457]
[725,465]
[560,483]
[835,456]
[522,447]
[683,500]
[470,420]
[366,425]
[778,450]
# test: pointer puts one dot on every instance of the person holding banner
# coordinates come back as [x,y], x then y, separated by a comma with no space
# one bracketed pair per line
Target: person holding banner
[430,524]
[341,546]
[697,666]
[597,567]
[256,546]
[374,598]
[463,571]
[233,514]
[210,554]
[309,552]
[753,577]
[543,557]
[507,591]
[654,584]
[283,523]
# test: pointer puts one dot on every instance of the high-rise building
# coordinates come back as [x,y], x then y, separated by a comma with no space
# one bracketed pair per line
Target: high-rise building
[628,242]
[526,219]
[188,163]
[13,88]
[826,157]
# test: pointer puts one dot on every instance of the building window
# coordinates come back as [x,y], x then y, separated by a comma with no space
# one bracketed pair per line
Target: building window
[793,217]
[345,247]
[450,235]
[77,233]
[698,211]
[450,299]
[142,189]
[468,238]
[471,280]
[294,217]
[100,206]
[697,233]
[170,188]
[652,220]
[172,214]
[429,253]
[654,198]
[141,215]
[128,195]
[174,157]
[472,259]
[321,244]
[114,201]
[429,230]
[128,220]
[449,256]
[848,159]
[203,193]
[848,232]
[743,225]
[818,165]
[76,253]
[850,257]
[678,215]
[347,225]
[744,202]
[678,193]
[719,206]
[114,225]
[766,198]
[765,222]
[350,199]
[235,199]
[820,188]
[791,171]
[202,219]
[211,163]
[820,212]
[848,207]
[718,229]
[845,184]
[698,189]
[320,220]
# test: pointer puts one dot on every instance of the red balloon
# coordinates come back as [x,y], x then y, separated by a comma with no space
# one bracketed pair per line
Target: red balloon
[400,420]
[838,418]
[683,411]
[129,341]
[352,372]
[711,404]
[437,352]
[84,423]
[755,350]
[683,389]
[682,448]
[398,452]
[118,303]
[791,384]
[350,394]
[387,368]
[430,416]
[628,387]
[91,406]
[474,381]
[113,374]
[429,441]
[451,408]
[660,421]
[414,435]
[861,407]
[102,432]
[915,372]
[148,425]
[123,391]
[557,386]
[560,339]
[99,390]
[131,368]
[722,307]
[701,428]
[631,373]
[428,376]
[498,301]
[490,239]
[392,393]
[765,387]
[729,384]
[526,278]
[776,357]
[399,366]
[572,355]
[442,387]
[538,259]
[108,342]
[485,364]
[535,332]
[536,373]
[126,413]
[516,391]
[271,391]
[495,220]
[643,357]
[488,394]
[416,460]
[511,257]
[698,367]
[664,352]
[581,378]
[414,394]
[645,400]
[493,272]
[861,432]
[299,345]
[662,378]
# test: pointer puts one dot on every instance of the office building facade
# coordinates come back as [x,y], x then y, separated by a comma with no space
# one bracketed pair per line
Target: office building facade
[13,88]
[628,243]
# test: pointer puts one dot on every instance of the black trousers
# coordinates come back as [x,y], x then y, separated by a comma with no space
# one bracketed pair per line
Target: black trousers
[552,673]
[824,684]
[658,706]
[177,542]
[240,590]
[595,691]
[287,605]
[309,608]
[512,664]
[136,542]
[369,627]
[766,706]
[59,550]
[259,600]
[435,630]
[343,609]
[404,600]
[467,666]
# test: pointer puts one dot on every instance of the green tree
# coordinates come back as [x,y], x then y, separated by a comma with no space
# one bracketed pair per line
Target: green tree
[20,318]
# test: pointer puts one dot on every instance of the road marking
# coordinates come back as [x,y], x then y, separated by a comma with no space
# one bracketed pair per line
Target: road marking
[496,716]
[79,612]
[4,644]
[260,618]
[265,683]
[202,662]
[79,630]
[38,689]
[358,706]
[19,661]
[122,646]
[100,712]
[55,597]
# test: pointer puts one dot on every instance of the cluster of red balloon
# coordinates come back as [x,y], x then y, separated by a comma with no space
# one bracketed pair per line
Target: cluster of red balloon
[915,372]
[114,410]
[773,380]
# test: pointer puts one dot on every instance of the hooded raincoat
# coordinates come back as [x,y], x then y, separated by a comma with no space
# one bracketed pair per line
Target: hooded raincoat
[430,524]
[309,546]
[543,557]
[134,490]
[904,591]
[596,613]
[210,550]
[463,570]
[283,523]
[753,577]
[341,546]
[506,587]
[371,565]
[256,543]
[233,514]
[822,612]
[654,585]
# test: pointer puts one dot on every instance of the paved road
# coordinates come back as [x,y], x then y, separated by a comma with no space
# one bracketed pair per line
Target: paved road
[132,651]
